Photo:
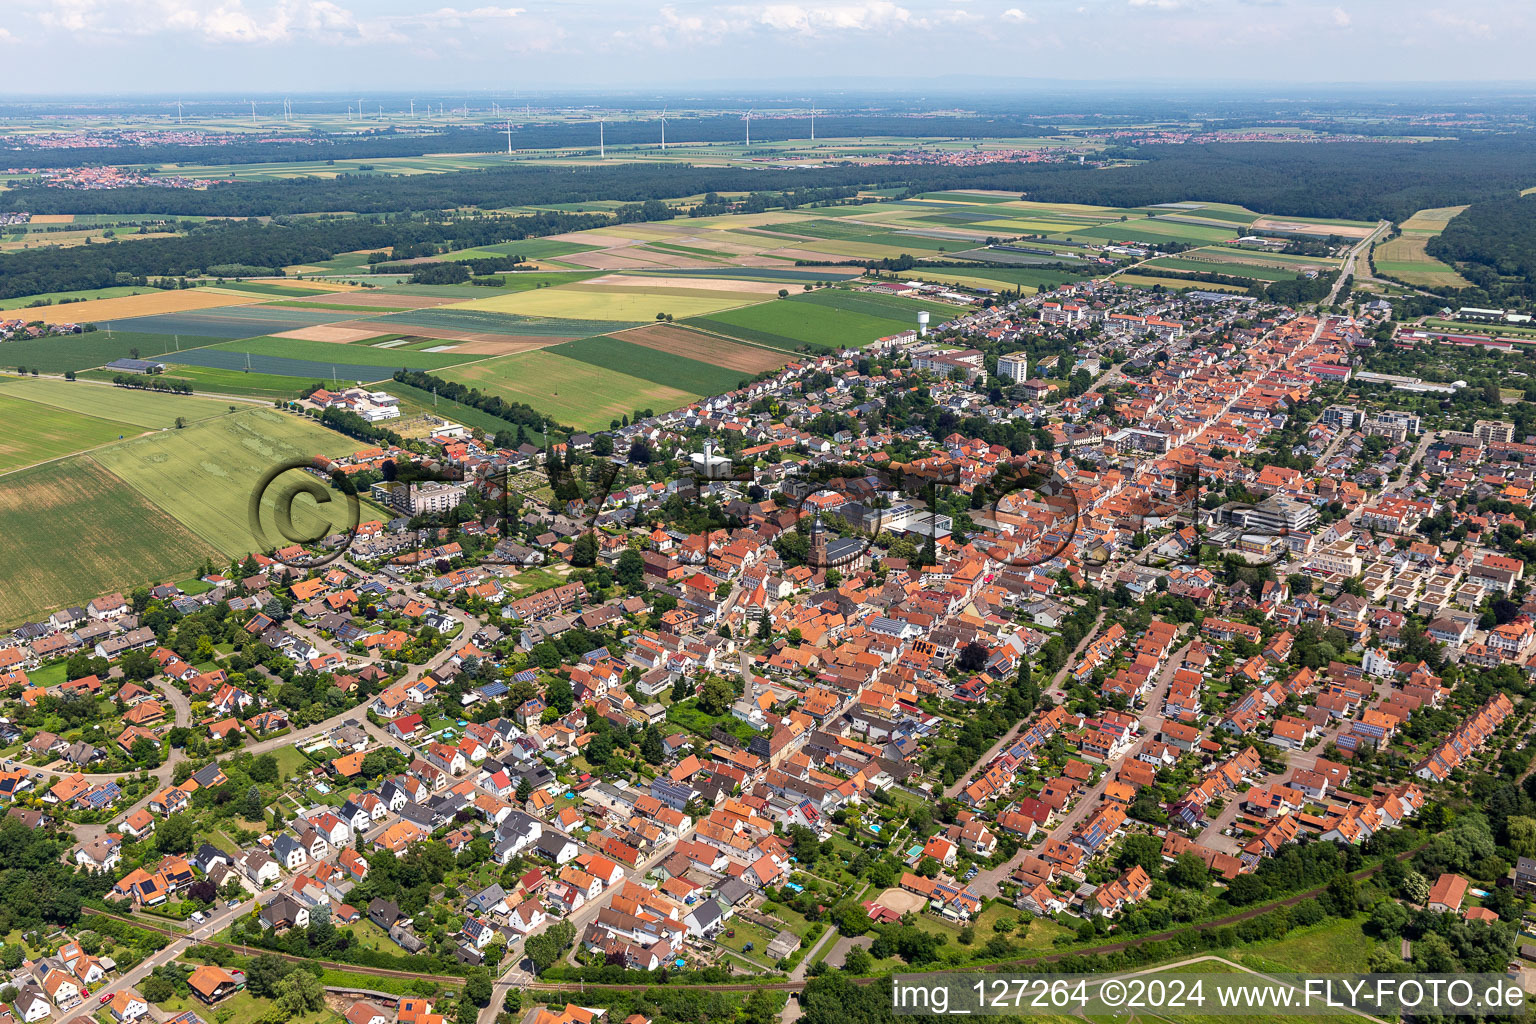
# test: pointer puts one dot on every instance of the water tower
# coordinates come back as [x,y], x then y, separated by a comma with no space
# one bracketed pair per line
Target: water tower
[922,324]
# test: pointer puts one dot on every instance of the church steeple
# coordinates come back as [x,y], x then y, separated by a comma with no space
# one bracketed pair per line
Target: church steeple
[818,556]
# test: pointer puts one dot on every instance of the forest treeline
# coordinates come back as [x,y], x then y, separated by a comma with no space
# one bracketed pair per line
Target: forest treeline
[270,246]
[1363,181]
[1493,244]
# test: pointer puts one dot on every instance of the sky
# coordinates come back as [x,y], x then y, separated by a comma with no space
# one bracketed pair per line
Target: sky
[207,46]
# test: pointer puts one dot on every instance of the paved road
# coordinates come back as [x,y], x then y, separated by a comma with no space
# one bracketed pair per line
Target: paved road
[1150,718]
[515,975]
[1348,270]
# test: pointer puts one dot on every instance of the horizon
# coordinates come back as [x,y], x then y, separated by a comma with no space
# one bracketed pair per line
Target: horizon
[335,45]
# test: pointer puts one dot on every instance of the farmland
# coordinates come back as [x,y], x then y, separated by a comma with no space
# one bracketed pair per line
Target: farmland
[142,305]
[617,304]
[585,396]
[818,320]
[147,409]
[229,322]
[79,351]
[707,348]
[651,364]
[73,531]
[323,353]
[36,433]
[1405,259]
[202,476]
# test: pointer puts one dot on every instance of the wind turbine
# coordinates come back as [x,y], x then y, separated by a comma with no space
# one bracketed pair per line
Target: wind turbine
[748,119]
[178,112]
[813,124]
[602,153]
[508,132]
[253,113]
[663,129]
[413,108]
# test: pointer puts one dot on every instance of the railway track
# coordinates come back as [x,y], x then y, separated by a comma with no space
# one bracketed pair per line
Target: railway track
[772,986]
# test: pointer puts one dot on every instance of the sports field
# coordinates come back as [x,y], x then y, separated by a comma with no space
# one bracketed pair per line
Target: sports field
[1406,259]
[122,406]
[571,391]
[73,531]
[203,476]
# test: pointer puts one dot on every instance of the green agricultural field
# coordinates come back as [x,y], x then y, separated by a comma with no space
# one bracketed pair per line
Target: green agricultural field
[148,409]
[651,364]
[81,351]
[260,288]
[529,280]
[207,380]
[323,353]
[624,305]
[808,320]
[335,307]
[460,318]
[1247,270]
[900,310]
[1173,284]
[862,234]
[1406,258]
[570,391]
[1028,279]
[1147,229]
[54,298]
[73,531]
[37,433]
[203,476]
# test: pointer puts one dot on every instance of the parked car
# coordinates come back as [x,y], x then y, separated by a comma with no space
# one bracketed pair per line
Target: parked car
[106,997]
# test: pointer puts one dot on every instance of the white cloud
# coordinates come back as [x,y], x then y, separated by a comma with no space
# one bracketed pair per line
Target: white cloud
[1341,17]
[1016,15]
[1461,24]
[1162,5]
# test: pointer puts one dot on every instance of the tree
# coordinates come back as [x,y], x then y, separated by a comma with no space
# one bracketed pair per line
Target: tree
[524,790]
[264,973]
[584,551]
[651,746]
[857,961]
[546,948]
[973,657]
[1520,833]
[716,696]
[263,769]
[176,834]
[1143,850]
[629,571]
[559,695]
[477,987]
[1188,872]
[156,989]
[299,993]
